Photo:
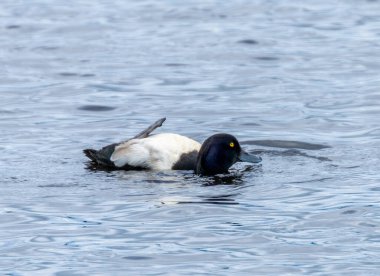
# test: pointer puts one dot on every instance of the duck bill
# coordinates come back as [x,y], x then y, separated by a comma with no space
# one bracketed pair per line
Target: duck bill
[247,157]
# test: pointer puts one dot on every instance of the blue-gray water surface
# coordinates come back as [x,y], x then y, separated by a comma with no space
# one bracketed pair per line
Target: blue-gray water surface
[297,82]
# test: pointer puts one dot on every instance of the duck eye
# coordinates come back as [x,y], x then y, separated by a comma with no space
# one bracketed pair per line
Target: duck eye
[232,144]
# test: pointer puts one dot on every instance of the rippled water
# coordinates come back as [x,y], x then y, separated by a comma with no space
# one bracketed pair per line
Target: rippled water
[296,82]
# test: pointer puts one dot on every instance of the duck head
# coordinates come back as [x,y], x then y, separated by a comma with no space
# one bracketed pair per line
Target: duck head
[219,152]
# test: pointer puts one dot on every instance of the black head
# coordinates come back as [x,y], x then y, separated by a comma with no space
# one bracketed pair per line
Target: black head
[219,152]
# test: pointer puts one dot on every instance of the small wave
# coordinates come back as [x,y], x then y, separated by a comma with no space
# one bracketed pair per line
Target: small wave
[286,144]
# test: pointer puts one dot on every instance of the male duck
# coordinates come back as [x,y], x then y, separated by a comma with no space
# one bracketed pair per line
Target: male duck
[168,151]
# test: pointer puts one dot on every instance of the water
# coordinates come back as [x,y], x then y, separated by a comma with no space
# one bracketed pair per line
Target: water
[297,82]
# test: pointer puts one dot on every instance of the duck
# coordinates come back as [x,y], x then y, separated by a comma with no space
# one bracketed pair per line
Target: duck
[170,151]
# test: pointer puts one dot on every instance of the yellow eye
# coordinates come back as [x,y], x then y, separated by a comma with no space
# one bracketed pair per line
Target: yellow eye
[232,144]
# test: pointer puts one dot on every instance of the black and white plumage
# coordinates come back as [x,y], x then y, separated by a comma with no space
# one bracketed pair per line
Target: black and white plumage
[169,151]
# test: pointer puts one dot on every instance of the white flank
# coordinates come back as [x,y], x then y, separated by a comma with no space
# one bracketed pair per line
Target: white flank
[156,152]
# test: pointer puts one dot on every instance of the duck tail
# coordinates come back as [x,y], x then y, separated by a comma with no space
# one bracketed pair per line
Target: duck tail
[91,154]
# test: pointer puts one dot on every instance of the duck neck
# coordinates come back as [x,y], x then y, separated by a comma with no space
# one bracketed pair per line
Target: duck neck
[213,162]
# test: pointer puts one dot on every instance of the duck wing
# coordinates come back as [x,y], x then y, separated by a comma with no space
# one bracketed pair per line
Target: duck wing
[102,157]
[145,133]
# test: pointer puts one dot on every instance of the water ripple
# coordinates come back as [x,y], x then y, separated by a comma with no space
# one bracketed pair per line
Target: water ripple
[296,82]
